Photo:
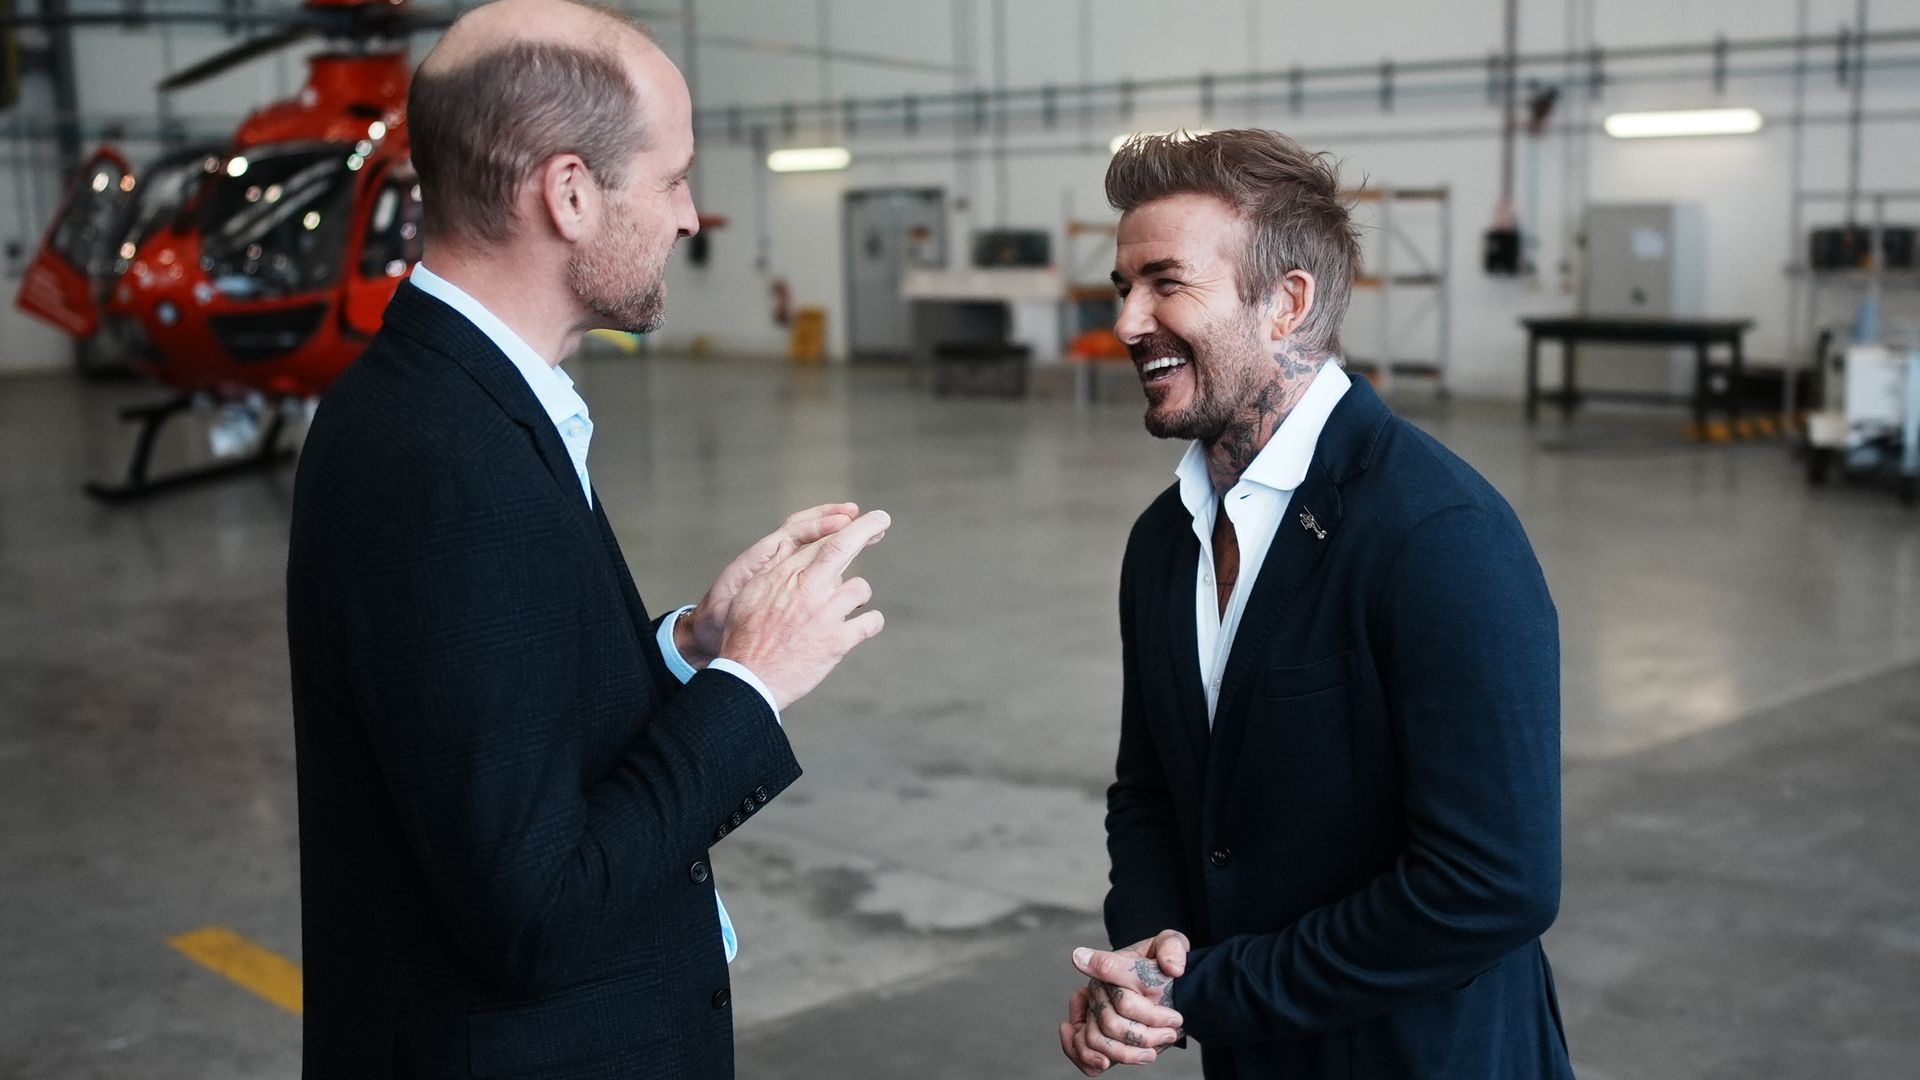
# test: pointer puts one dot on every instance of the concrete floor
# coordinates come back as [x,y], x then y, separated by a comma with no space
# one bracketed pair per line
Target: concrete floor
[1742,731]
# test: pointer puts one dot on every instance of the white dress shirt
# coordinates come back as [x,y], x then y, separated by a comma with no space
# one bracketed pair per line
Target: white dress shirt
[1255,505]
[568,411]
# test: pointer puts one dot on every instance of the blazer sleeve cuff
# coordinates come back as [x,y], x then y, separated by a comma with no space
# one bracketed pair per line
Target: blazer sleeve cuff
[741,672]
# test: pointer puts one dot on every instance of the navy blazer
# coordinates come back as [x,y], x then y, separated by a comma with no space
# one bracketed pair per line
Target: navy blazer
[506,801]
[1365,846]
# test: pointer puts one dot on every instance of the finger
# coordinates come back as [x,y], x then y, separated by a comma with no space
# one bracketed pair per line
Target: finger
[824,510]
[1117,1024]
[865,627]
[834,553]
[1170,948]
[1114,969]
[1071,1046]
[781,548]
[1119,1050]
[1066,1047]
[852,595]
[1091,1061]
[1138,1009]
[815,522]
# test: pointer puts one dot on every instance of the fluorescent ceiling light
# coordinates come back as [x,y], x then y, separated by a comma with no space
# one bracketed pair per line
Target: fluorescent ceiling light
[810,159]
[1121,140]
[1676,123]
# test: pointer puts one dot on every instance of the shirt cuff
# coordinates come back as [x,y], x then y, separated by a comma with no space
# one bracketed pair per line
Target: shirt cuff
[684,671]
[676,663]
[740,671]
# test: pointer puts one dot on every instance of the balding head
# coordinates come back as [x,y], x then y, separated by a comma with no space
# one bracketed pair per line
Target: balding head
[493,27]
[515,83]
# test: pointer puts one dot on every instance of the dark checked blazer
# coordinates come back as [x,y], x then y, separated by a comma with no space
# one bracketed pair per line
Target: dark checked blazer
[506,800]
[1365,847]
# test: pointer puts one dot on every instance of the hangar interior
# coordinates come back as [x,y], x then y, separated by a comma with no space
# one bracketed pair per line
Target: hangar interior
[899,296]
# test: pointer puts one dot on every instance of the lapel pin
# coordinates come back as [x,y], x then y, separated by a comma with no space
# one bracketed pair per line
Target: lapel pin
[1312,525]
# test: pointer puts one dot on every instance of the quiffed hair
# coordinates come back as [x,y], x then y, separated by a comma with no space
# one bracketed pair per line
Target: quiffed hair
[1288,197]
[480,130]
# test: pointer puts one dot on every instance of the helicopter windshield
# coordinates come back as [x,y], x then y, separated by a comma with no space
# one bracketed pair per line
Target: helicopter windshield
[276,225]
[166,186]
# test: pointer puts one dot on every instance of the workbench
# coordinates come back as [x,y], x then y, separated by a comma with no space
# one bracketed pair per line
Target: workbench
[1701,334]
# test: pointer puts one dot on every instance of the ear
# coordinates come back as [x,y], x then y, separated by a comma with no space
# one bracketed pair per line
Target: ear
[569,197]
[1290,303]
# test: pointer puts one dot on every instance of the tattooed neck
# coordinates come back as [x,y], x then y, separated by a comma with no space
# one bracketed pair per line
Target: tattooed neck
[1246,434]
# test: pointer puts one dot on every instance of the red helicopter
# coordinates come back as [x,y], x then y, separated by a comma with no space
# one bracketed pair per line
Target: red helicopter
[249,275]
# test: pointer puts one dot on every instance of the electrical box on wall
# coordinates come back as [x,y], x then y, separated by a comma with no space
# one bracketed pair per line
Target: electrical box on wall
[1645,260]
[1852,247]
[1504,254]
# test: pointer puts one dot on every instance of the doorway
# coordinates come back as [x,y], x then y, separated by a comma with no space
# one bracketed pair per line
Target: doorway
[886,232]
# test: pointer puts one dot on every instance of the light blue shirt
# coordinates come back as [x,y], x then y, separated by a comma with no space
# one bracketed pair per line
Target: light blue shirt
[1256,505]
[568,411]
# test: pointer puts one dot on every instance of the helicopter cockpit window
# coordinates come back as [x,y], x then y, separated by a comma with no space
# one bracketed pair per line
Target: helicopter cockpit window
[393,241]
[276,225]
[165,188]
[85,234]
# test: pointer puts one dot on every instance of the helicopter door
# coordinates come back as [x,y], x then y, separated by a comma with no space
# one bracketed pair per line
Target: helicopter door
[75,266]
[388,244]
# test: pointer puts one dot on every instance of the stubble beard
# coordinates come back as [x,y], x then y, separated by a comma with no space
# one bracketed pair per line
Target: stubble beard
[1225,386]
[619,278]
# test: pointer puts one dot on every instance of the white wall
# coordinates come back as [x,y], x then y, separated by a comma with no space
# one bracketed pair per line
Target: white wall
[1428,139]
[1743,183]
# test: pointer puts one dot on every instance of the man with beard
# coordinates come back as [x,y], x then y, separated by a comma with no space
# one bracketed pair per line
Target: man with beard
[509,775]
[1335,821]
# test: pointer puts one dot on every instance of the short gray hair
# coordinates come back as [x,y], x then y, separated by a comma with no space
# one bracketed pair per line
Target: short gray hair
[480,130]
[1288,197]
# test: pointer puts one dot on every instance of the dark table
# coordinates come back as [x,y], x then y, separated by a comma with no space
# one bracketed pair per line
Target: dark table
[1702,334]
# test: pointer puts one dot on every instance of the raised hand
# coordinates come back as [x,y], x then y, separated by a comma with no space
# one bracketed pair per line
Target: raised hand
[699,632]
[794,621]
[1124,1014]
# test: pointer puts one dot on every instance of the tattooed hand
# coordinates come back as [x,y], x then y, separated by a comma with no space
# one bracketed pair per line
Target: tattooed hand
[1124,1015]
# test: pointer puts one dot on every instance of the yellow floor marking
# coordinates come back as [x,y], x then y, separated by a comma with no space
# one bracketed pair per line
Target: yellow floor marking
[260,970]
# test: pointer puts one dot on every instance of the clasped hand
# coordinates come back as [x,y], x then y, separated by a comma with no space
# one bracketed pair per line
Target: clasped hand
[1124,1015]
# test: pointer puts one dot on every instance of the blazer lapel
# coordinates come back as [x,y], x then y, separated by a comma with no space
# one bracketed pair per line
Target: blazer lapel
[444,330]
[1300,542]
[1301,539]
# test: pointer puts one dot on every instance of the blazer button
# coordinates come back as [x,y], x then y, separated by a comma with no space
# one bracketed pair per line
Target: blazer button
[722,831]
[761,794]
[737,819]
[748,806]
[698,872]
[1220,856]
[721,998]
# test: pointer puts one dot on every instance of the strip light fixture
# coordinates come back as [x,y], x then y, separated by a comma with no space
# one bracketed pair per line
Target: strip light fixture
[810,159]
[1680,123]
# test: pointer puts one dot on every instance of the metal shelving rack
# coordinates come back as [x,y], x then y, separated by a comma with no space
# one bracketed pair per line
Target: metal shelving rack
[1400,265]
[1085,262]
[1869,283]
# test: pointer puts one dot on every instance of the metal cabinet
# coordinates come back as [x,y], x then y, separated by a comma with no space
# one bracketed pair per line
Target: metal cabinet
[1648,261]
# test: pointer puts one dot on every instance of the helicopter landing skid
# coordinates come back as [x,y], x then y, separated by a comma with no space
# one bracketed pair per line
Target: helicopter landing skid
[266,454]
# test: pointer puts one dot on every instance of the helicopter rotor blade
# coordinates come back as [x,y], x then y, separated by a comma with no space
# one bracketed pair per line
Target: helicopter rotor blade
[228,59]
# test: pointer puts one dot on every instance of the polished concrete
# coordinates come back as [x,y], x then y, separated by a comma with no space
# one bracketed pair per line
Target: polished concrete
[1742,683]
